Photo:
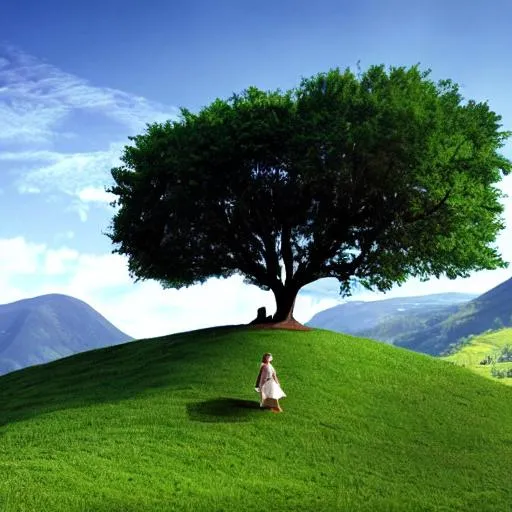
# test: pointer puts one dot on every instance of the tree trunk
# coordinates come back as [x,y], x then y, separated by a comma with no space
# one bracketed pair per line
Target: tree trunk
[285,302]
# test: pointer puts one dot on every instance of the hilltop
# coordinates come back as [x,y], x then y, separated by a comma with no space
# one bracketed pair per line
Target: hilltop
[42,329]
[173,423]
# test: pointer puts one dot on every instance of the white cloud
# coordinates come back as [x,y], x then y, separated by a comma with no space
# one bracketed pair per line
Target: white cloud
[95,195]
[36,96]
[81,176]
[30,156]
[28,189]
[75,174]
[65,235]
[36,101]
[15,259]
[81,209]
[308,305]
[58,262]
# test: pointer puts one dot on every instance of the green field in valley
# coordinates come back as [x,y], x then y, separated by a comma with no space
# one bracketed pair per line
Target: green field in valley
[173,424]
[480,347]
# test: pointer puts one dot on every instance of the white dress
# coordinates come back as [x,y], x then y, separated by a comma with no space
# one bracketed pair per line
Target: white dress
[269,388]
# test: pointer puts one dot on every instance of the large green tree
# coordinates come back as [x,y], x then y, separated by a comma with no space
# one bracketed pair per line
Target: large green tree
[370,178]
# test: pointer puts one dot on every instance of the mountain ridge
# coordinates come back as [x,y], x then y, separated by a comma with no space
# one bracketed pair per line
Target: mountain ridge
[41,329]
[432,324]
[490,311]
[363,317]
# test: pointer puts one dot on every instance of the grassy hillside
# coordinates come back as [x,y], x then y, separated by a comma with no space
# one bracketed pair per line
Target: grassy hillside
[173,424]
[480,347]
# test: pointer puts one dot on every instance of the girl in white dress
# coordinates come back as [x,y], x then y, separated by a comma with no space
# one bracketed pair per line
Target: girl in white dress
[267,384]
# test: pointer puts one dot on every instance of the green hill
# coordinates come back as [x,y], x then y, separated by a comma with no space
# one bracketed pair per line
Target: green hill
[485,347]
[173,424]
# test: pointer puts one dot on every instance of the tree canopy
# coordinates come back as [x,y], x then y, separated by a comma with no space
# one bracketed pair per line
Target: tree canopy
[369,178]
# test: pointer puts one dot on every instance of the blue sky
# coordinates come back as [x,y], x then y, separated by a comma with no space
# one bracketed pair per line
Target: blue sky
[77,78]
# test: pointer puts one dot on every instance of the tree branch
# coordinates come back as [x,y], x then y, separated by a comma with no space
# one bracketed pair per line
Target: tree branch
[409,219]
[286,252]
[270,254]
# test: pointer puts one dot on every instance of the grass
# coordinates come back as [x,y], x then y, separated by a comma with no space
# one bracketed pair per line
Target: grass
[478,348]
[173,424]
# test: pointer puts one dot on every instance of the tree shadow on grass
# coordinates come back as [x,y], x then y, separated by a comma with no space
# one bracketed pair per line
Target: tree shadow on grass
[223,410]
[109,375]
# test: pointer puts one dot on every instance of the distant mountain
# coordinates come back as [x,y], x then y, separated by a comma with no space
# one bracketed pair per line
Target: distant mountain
[490,311]
[388,319]
[41,329]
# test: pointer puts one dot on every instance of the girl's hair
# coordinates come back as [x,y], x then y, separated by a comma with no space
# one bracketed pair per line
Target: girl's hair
[265,355]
